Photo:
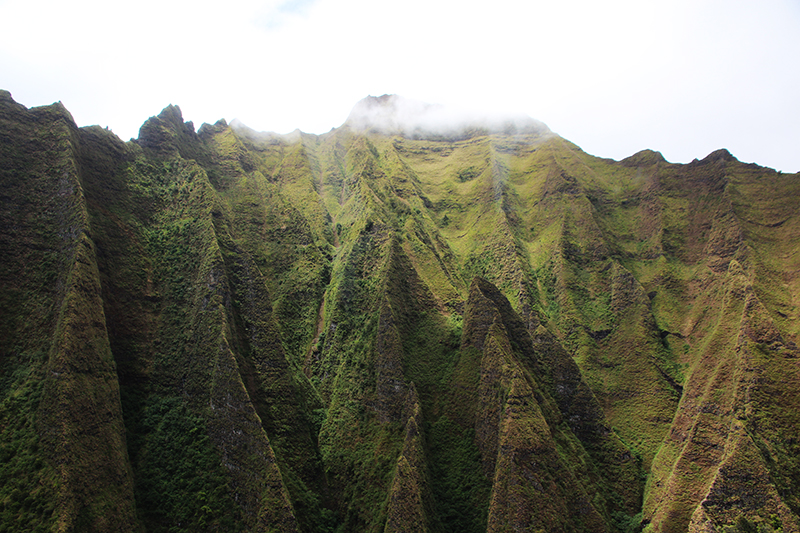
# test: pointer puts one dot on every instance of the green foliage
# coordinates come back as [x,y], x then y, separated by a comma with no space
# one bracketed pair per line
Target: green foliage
[467,174]
[300,285]
[181,484]
[27,491]
[744,525]
[460,490]
[627,524]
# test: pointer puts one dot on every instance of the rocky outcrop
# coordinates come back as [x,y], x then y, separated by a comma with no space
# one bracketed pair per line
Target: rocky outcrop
[520,430]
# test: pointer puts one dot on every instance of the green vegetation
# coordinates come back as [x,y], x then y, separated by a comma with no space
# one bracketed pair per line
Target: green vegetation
[224,330]
[460,489]
[21,465]
[182,483]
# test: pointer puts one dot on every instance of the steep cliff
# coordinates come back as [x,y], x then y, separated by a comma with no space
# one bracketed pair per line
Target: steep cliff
[400,325]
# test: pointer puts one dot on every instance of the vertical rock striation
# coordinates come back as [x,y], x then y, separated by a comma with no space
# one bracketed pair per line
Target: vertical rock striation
[393,326]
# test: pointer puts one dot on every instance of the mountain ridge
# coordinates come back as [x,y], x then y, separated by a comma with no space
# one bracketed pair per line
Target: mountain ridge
[403,330]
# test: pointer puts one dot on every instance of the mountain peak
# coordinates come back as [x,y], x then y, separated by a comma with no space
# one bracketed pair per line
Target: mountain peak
[642,158]
[161,132]
[388,113]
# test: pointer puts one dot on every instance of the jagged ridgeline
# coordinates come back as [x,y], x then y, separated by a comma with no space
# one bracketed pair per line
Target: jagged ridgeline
[407,324]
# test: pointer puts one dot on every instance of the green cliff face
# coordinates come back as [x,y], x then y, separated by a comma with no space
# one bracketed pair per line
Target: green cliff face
[391,328]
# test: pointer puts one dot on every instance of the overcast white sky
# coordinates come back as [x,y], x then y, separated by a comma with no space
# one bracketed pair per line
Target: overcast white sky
[682,76]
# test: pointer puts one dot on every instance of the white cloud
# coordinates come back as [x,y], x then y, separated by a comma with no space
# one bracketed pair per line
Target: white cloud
[615,77]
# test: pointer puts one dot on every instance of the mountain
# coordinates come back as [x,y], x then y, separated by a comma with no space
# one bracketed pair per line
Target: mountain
[410,323]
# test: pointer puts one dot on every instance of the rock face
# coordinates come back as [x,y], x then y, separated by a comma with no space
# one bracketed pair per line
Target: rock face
[405,324]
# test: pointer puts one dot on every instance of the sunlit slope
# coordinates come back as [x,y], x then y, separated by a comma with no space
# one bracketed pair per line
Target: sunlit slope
[390,327]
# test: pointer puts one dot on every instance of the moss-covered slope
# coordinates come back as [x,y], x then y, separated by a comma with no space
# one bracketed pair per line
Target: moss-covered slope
[474,328]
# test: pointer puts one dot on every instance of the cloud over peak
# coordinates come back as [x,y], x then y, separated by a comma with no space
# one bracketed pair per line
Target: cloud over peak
[395,115]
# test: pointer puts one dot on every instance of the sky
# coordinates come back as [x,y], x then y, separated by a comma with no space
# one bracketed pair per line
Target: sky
[684,77]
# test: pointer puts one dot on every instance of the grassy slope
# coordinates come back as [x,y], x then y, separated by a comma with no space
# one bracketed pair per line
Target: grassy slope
[285,318]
